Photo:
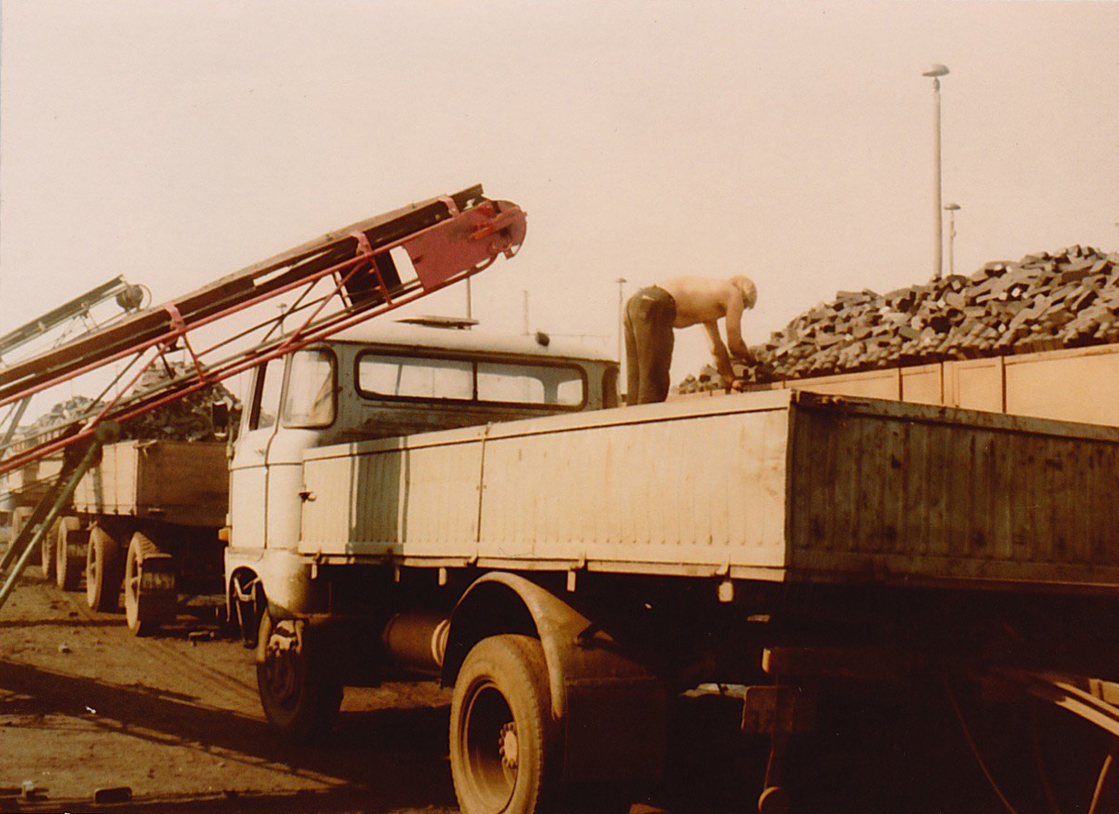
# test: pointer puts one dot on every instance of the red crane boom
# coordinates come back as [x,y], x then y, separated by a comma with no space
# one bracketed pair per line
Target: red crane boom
[338,280]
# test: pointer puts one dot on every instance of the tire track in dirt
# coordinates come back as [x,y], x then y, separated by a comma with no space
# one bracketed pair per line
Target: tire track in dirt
[221,689]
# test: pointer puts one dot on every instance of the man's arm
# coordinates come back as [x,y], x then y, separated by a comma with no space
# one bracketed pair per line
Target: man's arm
[734,325]
[719,352]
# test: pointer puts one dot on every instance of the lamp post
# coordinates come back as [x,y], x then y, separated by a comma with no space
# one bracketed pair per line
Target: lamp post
[936,71]
[951,209]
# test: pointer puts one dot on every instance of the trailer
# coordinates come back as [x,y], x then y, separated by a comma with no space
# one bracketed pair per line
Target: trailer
[146,517]
[572,576]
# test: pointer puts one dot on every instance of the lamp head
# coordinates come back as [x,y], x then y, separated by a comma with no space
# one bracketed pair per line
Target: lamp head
[936,69]
[952,207]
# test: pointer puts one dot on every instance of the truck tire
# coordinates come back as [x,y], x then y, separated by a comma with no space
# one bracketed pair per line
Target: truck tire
[144,611]
[19,519]
[72,540]
[103,572]
[48,552]
[299,696]
[502,737]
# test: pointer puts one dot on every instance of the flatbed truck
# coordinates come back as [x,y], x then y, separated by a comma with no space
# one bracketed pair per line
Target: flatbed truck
[572,573]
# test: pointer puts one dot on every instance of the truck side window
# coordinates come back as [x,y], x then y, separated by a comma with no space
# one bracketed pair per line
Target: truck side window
[311,389]
[416,378]
[530,384]
[266,395]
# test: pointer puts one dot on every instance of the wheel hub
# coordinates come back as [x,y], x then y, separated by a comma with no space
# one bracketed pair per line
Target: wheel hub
[507,744]
[280,656]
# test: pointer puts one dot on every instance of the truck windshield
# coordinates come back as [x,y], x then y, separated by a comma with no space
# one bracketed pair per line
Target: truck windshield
[311,389]
[385,376]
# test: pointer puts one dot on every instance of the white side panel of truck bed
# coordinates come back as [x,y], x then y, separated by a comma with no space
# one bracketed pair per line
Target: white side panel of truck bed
[709,492]
[623,488]
[415,495]
[777,485]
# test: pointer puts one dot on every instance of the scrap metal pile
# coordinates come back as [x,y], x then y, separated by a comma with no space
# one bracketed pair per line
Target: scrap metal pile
[1042,302]
[187,419]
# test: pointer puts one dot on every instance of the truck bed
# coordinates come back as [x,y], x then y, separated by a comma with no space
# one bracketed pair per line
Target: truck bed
[777,486]
[180,482]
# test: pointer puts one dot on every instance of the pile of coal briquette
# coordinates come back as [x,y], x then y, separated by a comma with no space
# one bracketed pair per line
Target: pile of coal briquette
[1044,301]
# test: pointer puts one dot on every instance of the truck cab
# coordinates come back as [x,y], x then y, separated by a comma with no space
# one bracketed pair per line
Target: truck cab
[367,383]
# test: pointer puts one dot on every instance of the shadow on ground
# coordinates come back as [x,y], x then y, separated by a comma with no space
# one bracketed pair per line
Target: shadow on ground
[395,757]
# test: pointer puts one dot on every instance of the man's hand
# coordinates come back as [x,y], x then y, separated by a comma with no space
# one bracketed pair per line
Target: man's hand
[719,352]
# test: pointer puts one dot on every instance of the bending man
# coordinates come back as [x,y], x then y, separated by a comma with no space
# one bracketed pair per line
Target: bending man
[653,312]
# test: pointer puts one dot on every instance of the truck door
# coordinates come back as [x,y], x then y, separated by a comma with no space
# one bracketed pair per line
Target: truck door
[248,477]
[308,411]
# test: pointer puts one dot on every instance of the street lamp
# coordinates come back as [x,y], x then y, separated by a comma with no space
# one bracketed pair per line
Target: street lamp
[936,71]
[951,209]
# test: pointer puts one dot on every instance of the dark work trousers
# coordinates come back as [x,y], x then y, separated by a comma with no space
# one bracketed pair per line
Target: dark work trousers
[649,340]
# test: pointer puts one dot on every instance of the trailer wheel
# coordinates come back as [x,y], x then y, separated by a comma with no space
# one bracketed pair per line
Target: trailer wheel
[72,539]
[103,572]
[19,519]
[48,547]
[145,609]
[300,698]
[502,735]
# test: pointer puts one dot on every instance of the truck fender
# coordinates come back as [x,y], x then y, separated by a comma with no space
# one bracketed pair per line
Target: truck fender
[610,708]
[245,603]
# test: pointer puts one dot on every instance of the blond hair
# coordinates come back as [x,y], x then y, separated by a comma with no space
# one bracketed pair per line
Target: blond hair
[748,290]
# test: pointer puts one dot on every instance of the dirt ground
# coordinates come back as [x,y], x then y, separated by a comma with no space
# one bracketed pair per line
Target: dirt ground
[84,705]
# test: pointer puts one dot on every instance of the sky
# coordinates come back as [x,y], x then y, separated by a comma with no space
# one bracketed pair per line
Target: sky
[175,142]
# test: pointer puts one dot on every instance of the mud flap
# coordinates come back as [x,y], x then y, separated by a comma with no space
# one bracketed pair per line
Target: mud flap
[778,710]
[614,729]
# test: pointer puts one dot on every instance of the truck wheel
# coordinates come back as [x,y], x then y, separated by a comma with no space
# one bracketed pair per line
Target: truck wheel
[774,800]
[72,540]
[300,699]
[48,552]
[502,735]
[103,572]
[19,519]
[144,608]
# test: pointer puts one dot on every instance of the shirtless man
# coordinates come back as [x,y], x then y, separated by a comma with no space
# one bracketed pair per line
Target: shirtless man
[653,312]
